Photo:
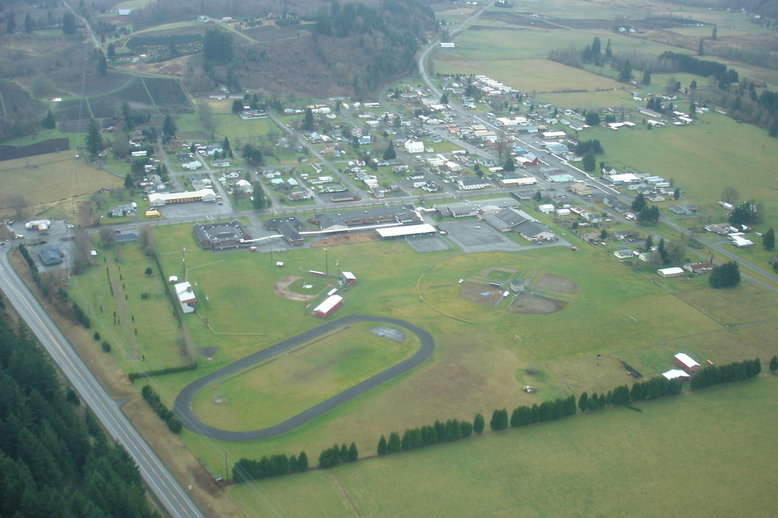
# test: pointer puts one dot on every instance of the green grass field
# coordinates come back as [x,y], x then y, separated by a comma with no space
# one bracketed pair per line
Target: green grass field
[52,177]
[613,311]
[702,159]
[709,453]
[284,386]
[143,332]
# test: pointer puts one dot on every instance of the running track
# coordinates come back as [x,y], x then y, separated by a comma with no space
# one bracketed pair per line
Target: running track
[183,403]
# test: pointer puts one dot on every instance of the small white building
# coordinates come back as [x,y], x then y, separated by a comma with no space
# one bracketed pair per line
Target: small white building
[186,296]
[673,374]
[686,362]
[546,208]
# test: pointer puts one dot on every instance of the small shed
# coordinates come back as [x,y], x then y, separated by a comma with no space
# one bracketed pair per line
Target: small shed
[349,278]
[674,374]
[686,362]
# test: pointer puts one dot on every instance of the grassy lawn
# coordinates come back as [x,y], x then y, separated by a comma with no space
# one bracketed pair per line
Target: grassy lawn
[130,309]
[53,177]
[285,386]
[584,466]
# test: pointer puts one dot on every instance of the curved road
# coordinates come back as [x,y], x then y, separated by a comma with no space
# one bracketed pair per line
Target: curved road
[169,493]
[183,405]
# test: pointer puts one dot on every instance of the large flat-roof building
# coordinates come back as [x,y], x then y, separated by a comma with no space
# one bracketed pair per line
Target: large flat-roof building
[218,236]
[334,221]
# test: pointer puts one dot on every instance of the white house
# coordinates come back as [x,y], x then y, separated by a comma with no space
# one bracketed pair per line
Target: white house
[413,146]
[471,183]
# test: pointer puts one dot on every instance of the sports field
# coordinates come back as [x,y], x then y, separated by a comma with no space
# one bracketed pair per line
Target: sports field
[603,308]
[273,391]
[709,453]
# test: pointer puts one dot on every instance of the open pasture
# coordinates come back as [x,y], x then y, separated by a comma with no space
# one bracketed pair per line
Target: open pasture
[578,467]
[52,177]
[702,159]
[285,385]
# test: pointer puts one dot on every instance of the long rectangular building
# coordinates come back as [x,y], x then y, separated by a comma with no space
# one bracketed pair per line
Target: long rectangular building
[159,199]
[328,307]
[406,230]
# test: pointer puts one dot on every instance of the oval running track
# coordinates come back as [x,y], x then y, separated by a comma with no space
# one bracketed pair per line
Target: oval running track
[183,404]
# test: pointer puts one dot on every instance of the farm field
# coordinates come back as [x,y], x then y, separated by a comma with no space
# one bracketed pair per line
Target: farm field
[583,466]
[702,159]
[601,308]
[52,177]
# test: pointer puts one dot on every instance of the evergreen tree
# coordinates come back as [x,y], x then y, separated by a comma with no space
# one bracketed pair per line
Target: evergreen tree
[93,142]
[168,129]
[649,243]
[258,201]
[394,444]
[774,364]
[638,203]
[583,401]
[625,72]
[478,423]
[726,275]
[302,462]
[768,239]
[226,147]
[353,453]
[48,121]
[499,420]
[68,23]
[466,429]
[389,152]
[646,77]
[308,120]
[510,165]
[589,162]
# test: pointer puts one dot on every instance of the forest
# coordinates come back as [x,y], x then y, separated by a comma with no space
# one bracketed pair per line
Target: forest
[55,459]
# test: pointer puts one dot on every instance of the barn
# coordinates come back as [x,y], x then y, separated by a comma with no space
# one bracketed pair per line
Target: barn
[686,362]
[328,307]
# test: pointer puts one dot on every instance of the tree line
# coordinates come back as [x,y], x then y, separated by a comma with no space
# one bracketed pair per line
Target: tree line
[164,413]
[454,429]
[55,460]
[246,470]
[735,371]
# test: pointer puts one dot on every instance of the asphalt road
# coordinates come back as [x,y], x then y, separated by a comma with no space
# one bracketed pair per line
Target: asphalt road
[183,405]
[168,492]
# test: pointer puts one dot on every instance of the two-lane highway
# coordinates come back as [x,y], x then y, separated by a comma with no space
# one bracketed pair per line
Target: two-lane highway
[159,480]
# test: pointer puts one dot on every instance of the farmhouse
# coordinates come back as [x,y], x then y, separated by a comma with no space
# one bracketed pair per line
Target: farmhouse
[50,255]
[686,362]
[218,236]
[328,307]
[698,268]
[159,199]
[186,296]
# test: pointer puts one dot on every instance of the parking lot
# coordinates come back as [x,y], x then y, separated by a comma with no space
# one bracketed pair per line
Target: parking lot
[473,236]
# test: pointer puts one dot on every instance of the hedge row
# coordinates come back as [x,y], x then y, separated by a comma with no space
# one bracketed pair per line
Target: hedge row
[168,370]
[335,455]
[735,371]
[164,413]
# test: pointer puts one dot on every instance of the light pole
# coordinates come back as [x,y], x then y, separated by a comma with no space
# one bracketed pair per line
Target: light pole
[326,263]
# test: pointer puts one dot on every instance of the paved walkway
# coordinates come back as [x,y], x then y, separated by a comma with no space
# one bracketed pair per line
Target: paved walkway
[183,404]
